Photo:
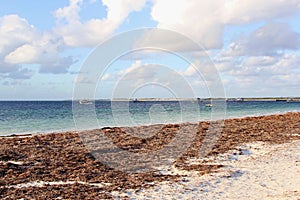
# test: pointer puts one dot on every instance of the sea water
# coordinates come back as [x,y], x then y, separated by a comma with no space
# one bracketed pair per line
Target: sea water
[17,117]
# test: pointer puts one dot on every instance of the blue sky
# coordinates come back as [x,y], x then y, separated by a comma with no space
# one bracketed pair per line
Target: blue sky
[254,45]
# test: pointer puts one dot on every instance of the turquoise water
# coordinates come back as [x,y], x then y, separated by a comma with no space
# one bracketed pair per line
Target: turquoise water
[49,116]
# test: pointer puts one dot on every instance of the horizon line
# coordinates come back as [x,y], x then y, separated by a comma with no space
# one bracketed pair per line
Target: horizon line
[157,98]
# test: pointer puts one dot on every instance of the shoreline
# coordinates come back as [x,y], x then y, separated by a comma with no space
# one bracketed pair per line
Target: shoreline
[32,133]
[63,166]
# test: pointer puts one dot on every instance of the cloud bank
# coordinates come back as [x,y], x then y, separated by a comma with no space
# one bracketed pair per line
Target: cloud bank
[261,55]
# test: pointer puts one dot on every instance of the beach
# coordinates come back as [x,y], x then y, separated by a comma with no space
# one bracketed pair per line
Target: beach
[253,158]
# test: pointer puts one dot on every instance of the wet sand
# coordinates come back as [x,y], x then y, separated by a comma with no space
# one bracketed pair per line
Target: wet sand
[53,166]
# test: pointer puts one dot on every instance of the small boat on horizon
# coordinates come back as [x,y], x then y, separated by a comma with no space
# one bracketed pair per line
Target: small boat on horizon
[292,100]
[239,99]
[85,101]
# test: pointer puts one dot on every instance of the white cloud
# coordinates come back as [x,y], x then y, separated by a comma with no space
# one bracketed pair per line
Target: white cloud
[204,20]
[190,71]
[282,82]
[236,12]
[131,68]
[202,70]
[262,75]
[14,31]
[287,64]
[166,40]
[136,72]
[197,19]
[12,71]
[269,39]
[140,74]
[21,74]
[21,43]
[23,54]
[261,66]
[260,60]
[57,67]
[69,13]
[77,33]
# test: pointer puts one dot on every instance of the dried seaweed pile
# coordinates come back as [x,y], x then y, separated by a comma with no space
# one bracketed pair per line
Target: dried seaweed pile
[62,157]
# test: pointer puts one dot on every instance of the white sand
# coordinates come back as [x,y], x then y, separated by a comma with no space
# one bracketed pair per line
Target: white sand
[262,172]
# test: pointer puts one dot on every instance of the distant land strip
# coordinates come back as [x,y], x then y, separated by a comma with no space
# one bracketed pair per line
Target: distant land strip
[288,99]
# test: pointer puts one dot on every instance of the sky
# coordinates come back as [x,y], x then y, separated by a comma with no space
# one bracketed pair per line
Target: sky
[254,45]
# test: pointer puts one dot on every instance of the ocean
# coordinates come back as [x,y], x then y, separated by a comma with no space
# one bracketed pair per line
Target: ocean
[19,117]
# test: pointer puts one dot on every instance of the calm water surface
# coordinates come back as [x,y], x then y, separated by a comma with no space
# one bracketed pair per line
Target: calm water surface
[49,116]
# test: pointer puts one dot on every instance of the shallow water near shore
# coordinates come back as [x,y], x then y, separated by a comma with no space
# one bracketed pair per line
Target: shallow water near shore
[50,116]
